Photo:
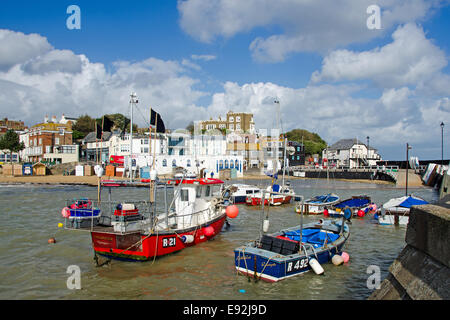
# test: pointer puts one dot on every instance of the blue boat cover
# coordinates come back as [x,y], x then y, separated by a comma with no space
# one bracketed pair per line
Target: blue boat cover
[276,188]
[314,236]
[410,201]
[355,202]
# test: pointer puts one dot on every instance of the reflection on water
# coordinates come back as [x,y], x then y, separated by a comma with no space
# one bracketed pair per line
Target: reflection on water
[33,269]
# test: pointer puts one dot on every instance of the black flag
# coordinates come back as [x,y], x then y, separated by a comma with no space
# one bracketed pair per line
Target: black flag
[155,119]
[124,126]
[107,124]
[98,131]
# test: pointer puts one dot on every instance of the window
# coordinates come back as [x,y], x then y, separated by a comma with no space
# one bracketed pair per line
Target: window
[207,191]
[188,162]
[238,119]
[231,126]
[237,164]
[226,164]
[164,163]
[174,163]
[238,126]
[231,164]
[40,141]
[47,149]
[231,119]
[56,141]
[184,195]
[198,192]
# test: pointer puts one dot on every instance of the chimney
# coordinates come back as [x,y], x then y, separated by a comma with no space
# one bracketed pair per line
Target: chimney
[46,119]
[54,119]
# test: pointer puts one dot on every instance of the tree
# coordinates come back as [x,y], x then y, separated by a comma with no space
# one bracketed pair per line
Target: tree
[10,141]
[313,143]
[84,125]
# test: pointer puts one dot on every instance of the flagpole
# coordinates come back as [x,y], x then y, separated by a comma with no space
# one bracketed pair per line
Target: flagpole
[150,154]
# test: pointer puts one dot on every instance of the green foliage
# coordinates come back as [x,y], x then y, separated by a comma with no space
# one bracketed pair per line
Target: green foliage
[84,125]
[10,141]
[312,141]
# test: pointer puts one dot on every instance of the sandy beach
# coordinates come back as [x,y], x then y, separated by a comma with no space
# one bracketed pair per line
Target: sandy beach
[93,180]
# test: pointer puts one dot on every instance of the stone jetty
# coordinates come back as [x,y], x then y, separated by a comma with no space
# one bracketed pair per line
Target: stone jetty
[422,269]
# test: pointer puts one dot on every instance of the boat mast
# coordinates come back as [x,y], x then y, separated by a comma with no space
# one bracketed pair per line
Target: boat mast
[133,100]
[284,158]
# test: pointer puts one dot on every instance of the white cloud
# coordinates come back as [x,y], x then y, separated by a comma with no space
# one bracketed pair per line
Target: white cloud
[18,48]
[305,25]
[205,57]
[409,60]
[51,82]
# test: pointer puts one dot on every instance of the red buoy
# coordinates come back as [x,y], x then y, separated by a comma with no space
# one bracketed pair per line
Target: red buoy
[325,213]
[361,213]
[208,231]
[51,240]
[232,211]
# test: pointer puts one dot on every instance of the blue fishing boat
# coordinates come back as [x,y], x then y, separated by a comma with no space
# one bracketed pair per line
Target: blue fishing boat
[292,251]
[355,204]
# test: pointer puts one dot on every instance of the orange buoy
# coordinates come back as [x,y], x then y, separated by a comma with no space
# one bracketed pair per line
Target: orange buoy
[208,231]
[52,240]
[232,211]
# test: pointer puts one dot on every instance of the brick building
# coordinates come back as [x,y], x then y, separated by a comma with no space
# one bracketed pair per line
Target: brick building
[48,137]
[6,124]
[234,121]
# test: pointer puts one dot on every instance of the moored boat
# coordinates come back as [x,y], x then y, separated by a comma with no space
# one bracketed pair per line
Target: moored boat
[192,212]
[358,205]
[317,204]
[396,210]
[292,251]
[284,196]
[238,193]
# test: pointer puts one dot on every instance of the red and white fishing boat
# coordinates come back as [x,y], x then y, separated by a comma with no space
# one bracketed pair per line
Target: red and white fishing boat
[274,199]
[192,211]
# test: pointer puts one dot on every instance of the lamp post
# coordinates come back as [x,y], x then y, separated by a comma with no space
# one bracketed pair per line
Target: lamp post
[442,143]
[368,150]
[407,156]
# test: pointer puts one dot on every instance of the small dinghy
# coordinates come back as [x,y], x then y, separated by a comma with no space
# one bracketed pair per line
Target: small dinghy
[358,205]
[396,211]
[317,204]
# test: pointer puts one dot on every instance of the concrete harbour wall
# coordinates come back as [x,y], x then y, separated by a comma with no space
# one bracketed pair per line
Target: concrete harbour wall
[422,269]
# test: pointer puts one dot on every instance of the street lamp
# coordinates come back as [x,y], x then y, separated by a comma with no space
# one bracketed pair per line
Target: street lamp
[368,150]
[442,143]
[408,147]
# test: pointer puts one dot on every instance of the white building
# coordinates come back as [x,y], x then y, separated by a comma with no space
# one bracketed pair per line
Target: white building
[351,153]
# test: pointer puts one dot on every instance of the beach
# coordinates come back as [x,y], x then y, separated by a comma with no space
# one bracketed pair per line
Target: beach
[93,180]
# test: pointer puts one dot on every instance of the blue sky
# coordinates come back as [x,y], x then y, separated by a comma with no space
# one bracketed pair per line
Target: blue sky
[332,75]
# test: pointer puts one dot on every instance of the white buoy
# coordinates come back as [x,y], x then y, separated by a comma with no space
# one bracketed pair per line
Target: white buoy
[188,238]
[315,265]
[337,260]
[266,225]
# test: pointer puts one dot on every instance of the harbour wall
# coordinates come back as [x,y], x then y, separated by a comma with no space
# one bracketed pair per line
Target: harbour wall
[422,269]
[346,174]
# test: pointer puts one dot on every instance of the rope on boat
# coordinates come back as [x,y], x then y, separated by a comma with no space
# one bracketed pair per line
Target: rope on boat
[262,271]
